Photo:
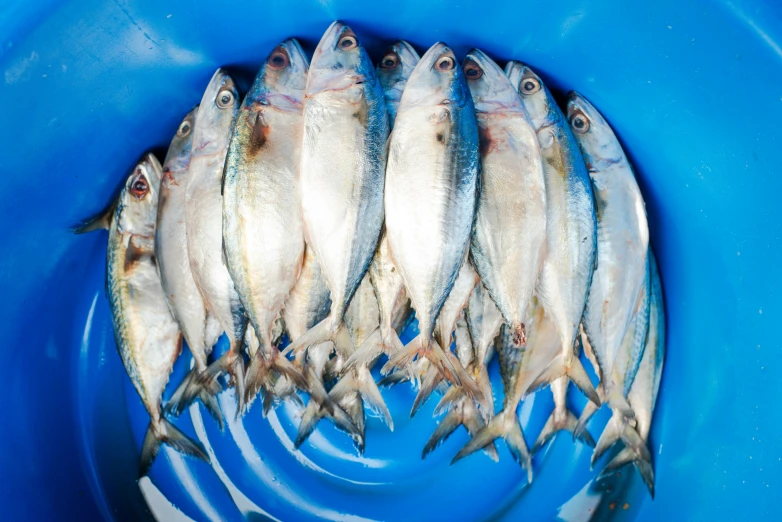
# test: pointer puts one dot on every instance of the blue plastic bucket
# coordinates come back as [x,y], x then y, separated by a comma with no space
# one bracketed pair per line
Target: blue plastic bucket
[694,91]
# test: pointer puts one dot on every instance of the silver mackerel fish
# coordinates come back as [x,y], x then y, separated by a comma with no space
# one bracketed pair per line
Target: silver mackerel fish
[184,300]
[643,393]
[263,237]
[571,239]
[342,173]
[148,338]
[620,276]
[203,219]
[509,243]
[431,192]
[393,71]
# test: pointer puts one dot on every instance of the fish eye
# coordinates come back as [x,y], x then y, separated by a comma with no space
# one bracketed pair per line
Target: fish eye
[184,129]
[279,59]
[225,98]
[389,61]
[579,122]
[444,64]
[139,187]
[472,70]
[530,86]
[348,42]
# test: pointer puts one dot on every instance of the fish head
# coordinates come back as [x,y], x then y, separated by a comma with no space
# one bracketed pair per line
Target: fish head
[537,100]
[216,114]
[339,62]
[394,69]
[283,78]
[436,80]
[489,86]
[178,155]
[595,137]
[136,211]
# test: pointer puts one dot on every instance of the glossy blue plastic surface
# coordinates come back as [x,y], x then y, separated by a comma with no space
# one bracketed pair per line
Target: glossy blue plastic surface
[693,90]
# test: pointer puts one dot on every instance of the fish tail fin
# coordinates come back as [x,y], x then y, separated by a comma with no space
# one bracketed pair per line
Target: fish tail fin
[641,462]
[620,427]
[506,426]
[360,381]
[165,432]
[618,403]
[320,333]
[484,382]
[578,376]
[371,394]
[394,378]
[429,384]
[574,371]
[369,350]
[231,364]
[586,414]
[447,426]
[466,382]
[462,412]
[176,405]
[405,357]
[191,388]
[265,367]
[322,405]
[449,398]
[561,421]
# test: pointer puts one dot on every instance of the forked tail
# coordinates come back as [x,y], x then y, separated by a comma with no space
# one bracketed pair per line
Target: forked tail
[165,432]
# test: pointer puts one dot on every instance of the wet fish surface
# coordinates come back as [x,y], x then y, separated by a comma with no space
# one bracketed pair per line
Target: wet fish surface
[263,238]
[148,338]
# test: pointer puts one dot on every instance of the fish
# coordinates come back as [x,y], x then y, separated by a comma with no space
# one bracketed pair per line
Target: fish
[484,321]
[461,409]
[620,275]
[308,304]
[622,376]
[199,328]
[393,71]
[430,198]
[342,173]
[571,226]
[446,323]
[643,393]
[203,220]
[355,386]
[263,233]
[508,244]
[148,337]
[514,364]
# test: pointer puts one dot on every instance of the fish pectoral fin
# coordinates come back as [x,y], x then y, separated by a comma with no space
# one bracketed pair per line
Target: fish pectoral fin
[165,432]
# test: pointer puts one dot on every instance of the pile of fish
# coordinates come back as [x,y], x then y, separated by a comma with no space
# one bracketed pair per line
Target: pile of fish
[338,199]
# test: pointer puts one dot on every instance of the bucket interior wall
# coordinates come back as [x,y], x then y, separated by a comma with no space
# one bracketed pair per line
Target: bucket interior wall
[694,93]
